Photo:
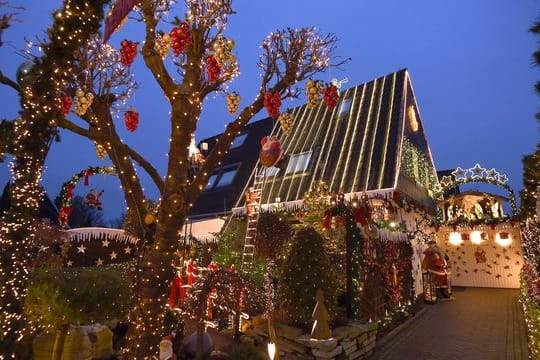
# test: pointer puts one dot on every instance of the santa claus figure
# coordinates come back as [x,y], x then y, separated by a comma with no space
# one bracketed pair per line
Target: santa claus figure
[435,263]
[271,153]
[166,349]
[177,290]
[92,199]
[192,268]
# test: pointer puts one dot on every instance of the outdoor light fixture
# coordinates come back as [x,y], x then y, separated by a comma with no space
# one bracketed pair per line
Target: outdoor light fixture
[204,146]
[503,238]
[476,237]
[455,238]
[271,350]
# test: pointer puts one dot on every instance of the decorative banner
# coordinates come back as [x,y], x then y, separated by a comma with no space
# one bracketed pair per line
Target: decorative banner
[120,10]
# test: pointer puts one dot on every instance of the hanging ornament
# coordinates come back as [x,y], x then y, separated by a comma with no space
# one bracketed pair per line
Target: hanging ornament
[163,44]
[223,50]
[285,120]
[331,96]
[101,153]
[92,199]
[314,92]
[233,100]
[66,104]
[272,102]
[128,52]
[131,119]
[212,69]
[82,102]
[180,38]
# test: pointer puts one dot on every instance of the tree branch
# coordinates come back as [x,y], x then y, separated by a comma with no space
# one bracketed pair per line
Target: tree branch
[7,81]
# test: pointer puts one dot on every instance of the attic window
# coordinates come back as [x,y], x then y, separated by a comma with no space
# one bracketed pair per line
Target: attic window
[345,106]
[238,141]
[222,177]
[298,163]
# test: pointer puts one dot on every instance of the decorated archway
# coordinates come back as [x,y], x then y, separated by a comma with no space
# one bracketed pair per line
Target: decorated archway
[66,194]
[478,174]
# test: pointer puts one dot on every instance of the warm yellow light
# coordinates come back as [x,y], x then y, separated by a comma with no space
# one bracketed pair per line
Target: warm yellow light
[476,237]
[503,238]
[271,350]
[455,238]
[411,113]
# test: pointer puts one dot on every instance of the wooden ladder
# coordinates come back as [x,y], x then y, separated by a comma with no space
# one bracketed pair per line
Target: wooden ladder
[253,209]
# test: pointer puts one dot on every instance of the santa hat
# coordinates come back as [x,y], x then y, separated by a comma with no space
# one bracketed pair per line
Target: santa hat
[166,348]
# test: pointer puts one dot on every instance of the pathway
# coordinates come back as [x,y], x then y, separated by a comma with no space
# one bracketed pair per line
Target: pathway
[481,324]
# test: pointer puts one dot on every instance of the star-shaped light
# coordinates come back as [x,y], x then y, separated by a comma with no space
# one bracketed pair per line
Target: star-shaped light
[127,250]
[503,178]
[69,263]
[446,181]
[99,262]
[105,243]
[491,174]
[81,249]
[459,173]
[477,171]
[113,255]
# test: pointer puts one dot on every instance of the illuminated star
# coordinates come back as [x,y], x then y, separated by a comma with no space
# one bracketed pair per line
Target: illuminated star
[112,255]
[105,243]
[127,250]
[503,178]
[81,249]
[446,181]
[69,263]
[492,174]
[477,171]
[99,262]
[459,173]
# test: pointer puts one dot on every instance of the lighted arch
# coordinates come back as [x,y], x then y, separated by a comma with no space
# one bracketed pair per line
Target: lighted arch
[478,174]
[66,194]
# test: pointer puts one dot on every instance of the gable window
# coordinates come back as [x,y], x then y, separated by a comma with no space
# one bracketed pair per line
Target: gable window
[222,177]
[345,106]
[238,141]
[298,163]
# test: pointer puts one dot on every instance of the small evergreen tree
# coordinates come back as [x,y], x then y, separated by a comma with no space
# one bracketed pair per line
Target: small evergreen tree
[305,270]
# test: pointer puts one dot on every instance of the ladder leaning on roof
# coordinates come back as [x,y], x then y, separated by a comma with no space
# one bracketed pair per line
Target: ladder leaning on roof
[253,209]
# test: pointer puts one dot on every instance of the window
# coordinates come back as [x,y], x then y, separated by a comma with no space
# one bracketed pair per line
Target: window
[345,106]
[211,181]
[238,141]
[222,177]
[298,163]
[226,177]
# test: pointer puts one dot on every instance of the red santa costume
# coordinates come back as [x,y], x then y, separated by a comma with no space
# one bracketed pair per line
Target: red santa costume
[192,272]
[177,291]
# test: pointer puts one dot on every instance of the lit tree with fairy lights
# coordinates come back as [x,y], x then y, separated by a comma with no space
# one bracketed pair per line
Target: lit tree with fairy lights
[76,66]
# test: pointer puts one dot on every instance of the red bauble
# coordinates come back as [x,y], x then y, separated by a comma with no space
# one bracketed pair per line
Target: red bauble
[66,105]
[212,69]
[131,119]
[180,38]
[272,102]
[128,52]
[331,96]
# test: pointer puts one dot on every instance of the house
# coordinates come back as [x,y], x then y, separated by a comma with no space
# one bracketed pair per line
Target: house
[47,211]
[373,143]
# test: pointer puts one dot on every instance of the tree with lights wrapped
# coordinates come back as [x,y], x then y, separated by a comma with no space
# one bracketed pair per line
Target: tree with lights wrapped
[306,269]
[80,65]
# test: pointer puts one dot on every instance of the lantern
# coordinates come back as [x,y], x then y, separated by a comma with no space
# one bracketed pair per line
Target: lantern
[430,291]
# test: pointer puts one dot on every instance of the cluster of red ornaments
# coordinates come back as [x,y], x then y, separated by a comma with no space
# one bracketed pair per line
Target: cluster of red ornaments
[331,96]
[66,104]
[131,119]
[212,69]
[272,102]
[128,52]
[180,38]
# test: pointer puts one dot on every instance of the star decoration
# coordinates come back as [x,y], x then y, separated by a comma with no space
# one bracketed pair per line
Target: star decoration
[477,171]
[81,249]
[491,174]
[99,262]
[459,173]
[69,263]
[127,250]
[113,255]
[503,178]
[446,181]
[105,243]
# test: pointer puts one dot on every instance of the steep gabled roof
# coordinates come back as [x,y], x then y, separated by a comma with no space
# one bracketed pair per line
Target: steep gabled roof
[46,211]
[357,146]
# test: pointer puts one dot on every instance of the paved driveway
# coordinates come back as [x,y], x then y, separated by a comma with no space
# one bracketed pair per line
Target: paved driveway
[481,324]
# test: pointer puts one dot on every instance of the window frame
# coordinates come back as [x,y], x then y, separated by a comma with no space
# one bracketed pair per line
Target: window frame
[218,173]
[235,145]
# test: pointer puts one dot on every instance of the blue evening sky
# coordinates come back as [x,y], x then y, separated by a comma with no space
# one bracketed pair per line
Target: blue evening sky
[470,64]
